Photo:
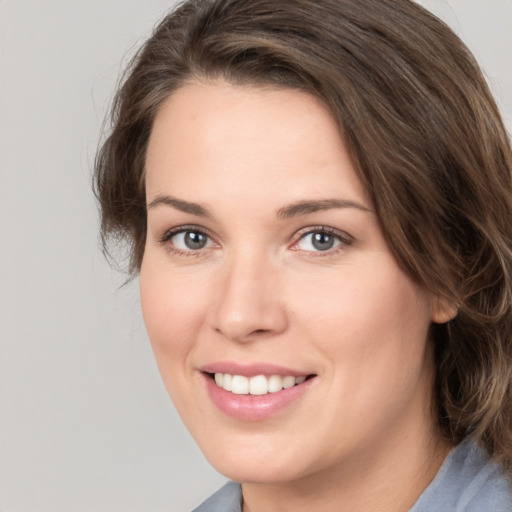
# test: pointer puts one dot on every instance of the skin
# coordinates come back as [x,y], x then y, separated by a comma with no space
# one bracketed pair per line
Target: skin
[362,436]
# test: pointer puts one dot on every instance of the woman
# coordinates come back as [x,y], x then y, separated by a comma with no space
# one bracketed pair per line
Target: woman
[317,196]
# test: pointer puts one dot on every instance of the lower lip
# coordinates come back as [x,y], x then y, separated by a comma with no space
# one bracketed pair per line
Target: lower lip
[254,407]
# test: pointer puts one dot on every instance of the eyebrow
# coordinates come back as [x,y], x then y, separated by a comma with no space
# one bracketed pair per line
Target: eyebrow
[180,204]
[293,210]
[306,207]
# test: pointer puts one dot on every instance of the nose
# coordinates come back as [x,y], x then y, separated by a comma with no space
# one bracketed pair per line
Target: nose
[249,302]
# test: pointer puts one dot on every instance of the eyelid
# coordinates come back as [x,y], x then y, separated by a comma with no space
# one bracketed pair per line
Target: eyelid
[168,234]
[344,237]
[180,229]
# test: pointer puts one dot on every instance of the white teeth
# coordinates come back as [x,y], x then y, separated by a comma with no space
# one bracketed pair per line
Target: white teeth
[258,385]
[227,379]
[288,382]
[275,384]
[219,378]
[240,385]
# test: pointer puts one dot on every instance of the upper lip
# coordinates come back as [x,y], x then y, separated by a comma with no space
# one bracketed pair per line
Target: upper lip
[252,369]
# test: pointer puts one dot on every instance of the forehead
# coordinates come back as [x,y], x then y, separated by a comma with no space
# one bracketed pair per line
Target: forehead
[243,138]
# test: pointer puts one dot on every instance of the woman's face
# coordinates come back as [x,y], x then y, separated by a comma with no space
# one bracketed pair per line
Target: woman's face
[265,260]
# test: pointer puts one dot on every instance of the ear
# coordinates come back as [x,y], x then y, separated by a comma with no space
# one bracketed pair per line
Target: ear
[443,310]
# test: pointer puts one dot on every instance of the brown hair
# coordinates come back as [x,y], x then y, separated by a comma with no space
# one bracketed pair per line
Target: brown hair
[424,134]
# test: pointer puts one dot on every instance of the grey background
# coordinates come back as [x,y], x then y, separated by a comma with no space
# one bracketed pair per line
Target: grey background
[85,423]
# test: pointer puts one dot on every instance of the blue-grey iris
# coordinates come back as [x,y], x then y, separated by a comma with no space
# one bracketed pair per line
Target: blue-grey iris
[194,240]
[322,241]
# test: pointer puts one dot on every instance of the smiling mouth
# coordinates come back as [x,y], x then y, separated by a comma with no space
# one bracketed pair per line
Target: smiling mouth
[258,384]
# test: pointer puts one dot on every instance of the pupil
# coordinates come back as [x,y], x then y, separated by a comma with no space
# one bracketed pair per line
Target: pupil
[322,242]
[195,240]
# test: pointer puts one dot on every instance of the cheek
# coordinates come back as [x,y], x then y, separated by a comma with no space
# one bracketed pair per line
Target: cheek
[372,323]
[362,299]
[172,311]
[373,331]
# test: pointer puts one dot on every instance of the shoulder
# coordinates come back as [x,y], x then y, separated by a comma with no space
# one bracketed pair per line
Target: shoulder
[468,481]
[226,499]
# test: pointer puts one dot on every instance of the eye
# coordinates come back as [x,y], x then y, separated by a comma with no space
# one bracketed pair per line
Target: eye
[185,240]
[321,240]
[318,241]
[191,240]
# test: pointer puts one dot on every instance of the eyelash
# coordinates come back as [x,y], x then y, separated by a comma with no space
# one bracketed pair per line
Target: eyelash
[344,239]
[183,229]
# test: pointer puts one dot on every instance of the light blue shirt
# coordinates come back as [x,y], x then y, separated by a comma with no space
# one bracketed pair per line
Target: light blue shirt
[466,482]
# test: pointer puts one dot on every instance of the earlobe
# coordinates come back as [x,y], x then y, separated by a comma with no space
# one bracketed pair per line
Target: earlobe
[443,310]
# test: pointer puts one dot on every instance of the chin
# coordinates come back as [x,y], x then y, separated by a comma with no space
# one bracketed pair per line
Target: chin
[261,462]
[253,472]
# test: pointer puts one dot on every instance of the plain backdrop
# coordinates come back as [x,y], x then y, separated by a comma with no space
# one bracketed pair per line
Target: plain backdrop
[85,422]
